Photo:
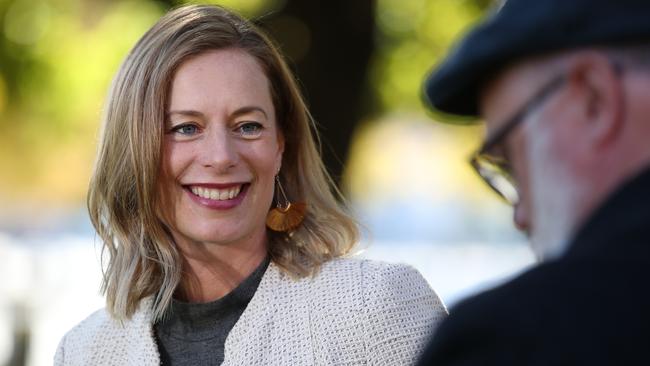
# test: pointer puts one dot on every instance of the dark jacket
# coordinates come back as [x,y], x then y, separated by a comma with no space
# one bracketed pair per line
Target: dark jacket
[590,307]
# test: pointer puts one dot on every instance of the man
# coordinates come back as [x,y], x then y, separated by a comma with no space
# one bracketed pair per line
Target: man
[564,89]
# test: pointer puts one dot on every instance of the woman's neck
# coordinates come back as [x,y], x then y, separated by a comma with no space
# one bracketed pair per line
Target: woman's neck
[211,271]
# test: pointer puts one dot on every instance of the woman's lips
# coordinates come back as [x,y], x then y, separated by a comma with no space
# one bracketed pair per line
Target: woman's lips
[222,198]
[216,193]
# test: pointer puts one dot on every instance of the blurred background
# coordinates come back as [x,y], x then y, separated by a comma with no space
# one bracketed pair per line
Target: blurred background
[361,64]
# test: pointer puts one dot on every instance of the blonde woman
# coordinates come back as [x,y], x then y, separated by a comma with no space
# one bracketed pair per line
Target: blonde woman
[225,242]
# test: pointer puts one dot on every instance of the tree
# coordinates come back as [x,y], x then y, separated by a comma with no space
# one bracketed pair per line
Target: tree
[329,44]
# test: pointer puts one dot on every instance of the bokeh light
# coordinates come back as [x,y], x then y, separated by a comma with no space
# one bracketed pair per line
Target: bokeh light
[407,176]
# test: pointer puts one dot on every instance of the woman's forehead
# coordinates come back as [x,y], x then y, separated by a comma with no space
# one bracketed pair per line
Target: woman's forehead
[220,78]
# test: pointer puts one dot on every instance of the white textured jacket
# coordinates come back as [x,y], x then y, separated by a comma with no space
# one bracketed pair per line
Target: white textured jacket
[354,312]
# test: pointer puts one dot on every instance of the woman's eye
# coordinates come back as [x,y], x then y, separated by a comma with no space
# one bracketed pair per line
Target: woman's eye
[185,129]
[250,129]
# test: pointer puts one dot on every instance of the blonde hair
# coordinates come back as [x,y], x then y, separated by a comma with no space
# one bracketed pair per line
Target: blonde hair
[124,200]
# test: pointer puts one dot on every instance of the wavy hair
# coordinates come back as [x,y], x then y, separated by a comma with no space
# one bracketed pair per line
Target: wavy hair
[124,199]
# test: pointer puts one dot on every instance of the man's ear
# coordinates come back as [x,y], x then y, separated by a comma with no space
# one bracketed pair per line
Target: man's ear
[602,94]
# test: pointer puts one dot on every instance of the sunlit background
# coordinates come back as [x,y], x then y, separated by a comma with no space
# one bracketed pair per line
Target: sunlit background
[406,176]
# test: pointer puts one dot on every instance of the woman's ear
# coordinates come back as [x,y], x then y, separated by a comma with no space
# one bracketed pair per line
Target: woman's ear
[280,153]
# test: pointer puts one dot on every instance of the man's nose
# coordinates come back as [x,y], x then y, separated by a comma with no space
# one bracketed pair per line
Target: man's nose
[521,217]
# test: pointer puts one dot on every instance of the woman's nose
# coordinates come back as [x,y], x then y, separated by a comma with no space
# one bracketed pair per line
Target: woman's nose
[218,151]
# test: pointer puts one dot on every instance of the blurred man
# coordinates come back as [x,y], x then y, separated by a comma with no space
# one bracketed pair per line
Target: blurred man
[564,89]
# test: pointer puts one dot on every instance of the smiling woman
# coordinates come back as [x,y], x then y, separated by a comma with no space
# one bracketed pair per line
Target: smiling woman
[205,131]
[222,150]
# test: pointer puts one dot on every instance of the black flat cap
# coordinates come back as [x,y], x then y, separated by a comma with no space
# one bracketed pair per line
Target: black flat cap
[523,28]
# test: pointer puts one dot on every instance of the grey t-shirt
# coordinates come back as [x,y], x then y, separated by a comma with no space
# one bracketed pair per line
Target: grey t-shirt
[195,333]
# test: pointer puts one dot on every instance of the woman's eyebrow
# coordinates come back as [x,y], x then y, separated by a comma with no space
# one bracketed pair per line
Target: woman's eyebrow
[249,109]
[190,113]
[238,112]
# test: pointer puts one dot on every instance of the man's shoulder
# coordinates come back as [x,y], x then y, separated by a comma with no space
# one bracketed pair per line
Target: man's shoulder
[573,287]
[498,326]
[549,285]
[503,303]
[566,310]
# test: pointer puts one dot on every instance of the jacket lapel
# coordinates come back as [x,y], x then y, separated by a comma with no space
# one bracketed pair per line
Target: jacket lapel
[275,327]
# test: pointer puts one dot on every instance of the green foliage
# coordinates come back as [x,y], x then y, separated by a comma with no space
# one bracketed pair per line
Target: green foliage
[57,58]
[400,151]
[412,36]
[248,8]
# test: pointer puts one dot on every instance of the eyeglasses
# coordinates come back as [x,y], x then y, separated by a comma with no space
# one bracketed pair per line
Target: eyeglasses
[495,169]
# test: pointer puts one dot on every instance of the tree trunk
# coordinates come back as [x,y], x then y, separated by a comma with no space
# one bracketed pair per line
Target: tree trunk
[329,44]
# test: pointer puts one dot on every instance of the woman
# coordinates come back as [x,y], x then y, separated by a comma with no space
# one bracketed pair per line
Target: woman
[225,241]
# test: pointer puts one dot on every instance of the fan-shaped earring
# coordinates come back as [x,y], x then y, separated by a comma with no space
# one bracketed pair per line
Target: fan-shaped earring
[286,216]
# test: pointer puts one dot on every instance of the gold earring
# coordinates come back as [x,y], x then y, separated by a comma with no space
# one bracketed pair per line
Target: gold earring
[287,217]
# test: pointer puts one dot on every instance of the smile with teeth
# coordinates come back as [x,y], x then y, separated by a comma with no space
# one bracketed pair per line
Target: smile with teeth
[216,194]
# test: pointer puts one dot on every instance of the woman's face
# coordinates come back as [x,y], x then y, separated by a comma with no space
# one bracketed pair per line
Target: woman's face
[221,150]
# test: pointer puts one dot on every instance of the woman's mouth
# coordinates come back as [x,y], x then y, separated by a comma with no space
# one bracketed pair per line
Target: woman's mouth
[218,194]
[219,198]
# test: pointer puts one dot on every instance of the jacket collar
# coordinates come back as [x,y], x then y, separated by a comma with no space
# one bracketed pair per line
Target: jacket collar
[279,304]
[620,226]
[278,301]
